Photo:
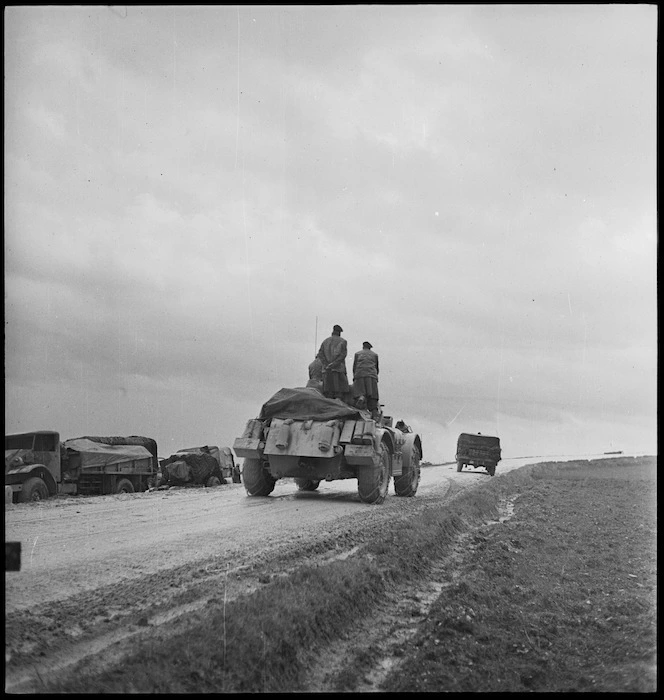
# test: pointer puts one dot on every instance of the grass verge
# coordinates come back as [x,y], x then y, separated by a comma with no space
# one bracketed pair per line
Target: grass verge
[562,598]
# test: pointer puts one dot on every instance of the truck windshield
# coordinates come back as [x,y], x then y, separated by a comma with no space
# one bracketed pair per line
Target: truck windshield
[39,442]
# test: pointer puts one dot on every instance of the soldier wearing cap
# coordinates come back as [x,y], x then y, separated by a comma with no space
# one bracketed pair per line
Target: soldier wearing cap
[332,354]
[365,376]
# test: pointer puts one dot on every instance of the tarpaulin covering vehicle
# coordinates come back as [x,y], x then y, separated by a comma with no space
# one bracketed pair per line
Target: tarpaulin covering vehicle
[208,465]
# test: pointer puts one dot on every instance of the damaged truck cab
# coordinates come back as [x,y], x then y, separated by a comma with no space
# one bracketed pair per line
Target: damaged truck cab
[303,435]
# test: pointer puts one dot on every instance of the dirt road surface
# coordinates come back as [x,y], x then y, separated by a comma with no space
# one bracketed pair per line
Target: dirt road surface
[95,570]
[76,544]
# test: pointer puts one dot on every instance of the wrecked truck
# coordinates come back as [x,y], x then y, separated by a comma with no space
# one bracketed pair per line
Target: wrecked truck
[300,433]
[206,465]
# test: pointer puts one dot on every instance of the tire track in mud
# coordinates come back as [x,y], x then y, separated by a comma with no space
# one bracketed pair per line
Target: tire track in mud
[373,645]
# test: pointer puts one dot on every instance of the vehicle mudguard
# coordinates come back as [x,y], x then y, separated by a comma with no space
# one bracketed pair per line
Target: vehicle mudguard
[412,439]
[21,474]
[388,437]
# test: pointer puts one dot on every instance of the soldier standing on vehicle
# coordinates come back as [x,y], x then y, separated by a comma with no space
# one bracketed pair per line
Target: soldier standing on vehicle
[332,354]
[365,376]
[316,375]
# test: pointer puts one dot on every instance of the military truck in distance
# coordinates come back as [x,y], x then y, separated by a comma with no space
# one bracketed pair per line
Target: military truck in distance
[39,465]
[299,433]
[478,451]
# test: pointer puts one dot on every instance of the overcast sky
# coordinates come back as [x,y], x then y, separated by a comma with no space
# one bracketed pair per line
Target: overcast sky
[194,196]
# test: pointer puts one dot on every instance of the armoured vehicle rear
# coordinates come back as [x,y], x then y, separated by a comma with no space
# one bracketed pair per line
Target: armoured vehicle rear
[299,433]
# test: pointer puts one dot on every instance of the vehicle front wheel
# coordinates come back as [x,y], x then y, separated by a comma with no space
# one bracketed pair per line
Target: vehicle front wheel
[306,484]
[257,479]
[124,486]
[34,489]
[373,482]
[459,465]
[407,483]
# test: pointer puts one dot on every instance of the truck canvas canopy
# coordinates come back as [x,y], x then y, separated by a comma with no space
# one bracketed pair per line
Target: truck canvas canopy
[95,455]
[486,441]
[148,443]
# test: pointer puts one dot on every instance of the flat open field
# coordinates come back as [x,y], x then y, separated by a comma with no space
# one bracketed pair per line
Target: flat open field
[540,578]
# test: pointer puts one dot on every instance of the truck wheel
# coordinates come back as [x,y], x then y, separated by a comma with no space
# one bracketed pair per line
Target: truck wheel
[459,465]
[257,480]
[124,486]
[34,489]
[407,483]
[372,482]
[306,484]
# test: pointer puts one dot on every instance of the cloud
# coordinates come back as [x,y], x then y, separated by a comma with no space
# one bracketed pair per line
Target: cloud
[195,195]
[51,122]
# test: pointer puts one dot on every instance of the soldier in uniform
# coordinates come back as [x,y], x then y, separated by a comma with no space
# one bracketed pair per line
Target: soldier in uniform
[316,375]
[365,376]
[332,354]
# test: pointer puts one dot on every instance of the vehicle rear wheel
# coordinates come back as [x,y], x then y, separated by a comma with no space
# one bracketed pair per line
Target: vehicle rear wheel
[306,484]
[124,486]
[407,483]
[257,480]
[373,482]
[459,465]
[34,489]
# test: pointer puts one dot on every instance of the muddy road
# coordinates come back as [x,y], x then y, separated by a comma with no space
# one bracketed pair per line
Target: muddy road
[97,571]
[76,544]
